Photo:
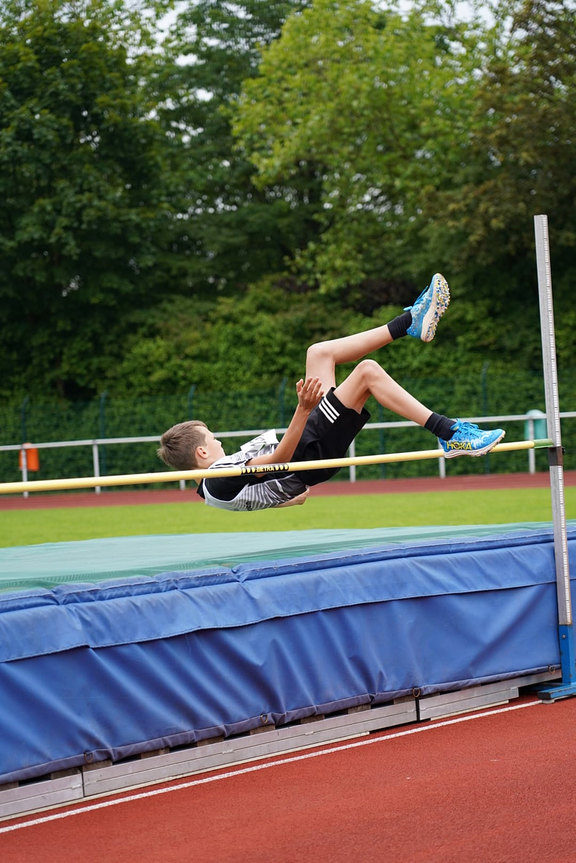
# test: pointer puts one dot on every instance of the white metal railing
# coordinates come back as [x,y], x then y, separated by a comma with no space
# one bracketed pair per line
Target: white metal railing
[530,418]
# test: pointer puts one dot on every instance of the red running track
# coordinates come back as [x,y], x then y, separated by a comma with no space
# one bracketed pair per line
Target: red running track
[115,497]
[498,786]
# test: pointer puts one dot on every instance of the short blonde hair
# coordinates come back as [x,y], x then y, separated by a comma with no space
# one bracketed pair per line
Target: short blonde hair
[178,445]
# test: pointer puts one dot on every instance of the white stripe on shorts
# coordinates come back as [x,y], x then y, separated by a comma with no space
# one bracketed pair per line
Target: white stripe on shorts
[328,410]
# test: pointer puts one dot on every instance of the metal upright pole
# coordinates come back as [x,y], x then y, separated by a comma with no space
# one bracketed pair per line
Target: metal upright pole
[556,462]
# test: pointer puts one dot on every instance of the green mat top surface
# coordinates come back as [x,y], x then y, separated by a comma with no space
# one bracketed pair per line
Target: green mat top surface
[96,560]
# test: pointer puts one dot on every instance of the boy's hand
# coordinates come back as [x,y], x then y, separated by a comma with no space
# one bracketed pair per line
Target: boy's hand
[309,393]
[296,501]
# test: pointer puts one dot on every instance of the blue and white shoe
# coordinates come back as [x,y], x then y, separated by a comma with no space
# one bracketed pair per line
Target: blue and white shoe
[468,439]
[429,308]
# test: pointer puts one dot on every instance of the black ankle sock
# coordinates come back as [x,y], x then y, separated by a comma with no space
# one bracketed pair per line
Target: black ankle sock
[440,426]
[399,326]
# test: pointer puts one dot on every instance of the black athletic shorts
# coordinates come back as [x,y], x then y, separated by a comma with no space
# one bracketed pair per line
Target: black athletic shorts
[330,429]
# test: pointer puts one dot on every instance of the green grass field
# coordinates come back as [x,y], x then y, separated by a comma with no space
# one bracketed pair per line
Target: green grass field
[21,527]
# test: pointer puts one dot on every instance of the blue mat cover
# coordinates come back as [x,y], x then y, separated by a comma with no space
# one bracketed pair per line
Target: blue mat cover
[107,670]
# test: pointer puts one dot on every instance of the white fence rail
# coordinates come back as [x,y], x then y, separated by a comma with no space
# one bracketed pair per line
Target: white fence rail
[532,429]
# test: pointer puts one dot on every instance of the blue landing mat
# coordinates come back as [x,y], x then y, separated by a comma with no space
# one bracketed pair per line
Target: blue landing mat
[111,667]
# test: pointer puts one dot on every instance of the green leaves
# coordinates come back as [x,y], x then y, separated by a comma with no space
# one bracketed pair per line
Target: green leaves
[82,179]
[432,141]
[371,103]
[340,149]
[234,233]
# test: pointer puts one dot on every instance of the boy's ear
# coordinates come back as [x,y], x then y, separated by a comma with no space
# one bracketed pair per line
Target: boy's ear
[200,452]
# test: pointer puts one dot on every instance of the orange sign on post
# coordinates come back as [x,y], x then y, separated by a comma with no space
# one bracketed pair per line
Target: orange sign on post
[32,460]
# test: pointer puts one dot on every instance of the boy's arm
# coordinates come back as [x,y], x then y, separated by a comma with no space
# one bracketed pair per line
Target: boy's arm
[309,395]
[296,501]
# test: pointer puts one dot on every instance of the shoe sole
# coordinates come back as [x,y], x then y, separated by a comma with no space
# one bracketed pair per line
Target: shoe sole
[475,453]
[439,304]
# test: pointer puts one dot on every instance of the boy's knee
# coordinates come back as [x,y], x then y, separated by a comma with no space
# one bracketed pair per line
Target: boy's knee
[370,369]
[316,353]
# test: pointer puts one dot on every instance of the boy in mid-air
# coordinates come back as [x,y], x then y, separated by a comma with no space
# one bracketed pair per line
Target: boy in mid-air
[327,418]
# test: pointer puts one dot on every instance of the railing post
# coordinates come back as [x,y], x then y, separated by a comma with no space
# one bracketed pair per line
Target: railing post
[24,432]
[96,464]
[352,454]
[382,439]
[442,467]
[24,457]
[102,426]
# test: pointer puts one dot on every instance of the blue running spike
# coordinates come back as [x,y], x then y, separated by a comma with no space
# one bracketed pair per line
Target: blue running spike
[429,308]
[468,439]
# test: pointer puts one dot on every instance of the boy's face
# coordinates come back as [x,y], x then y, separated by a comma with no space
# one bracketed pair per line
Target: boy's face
[213,449]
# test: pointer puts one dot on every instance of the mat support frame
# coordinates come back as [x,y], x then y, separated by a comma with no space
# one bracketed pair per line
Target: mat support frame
[94,781]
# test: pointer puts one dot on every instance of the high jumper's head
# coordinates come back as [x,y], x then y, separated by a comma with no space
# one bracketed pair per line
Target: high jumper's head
[189,446]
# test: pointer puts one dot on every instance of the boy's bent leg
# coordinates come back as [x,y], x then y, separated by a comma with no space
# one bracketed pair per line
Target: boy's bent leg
[419,320]
[368,378]
[323,357]
[456,437]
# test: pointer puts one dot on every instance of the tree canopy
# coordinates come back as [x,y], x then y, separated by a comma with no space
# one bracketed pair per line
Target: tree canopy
[85,185]
[432,136]
[171,170]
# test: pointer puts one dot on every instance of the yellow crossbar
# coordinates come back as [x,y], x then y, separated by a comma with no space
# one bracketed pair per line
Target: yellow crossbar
[176,476]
